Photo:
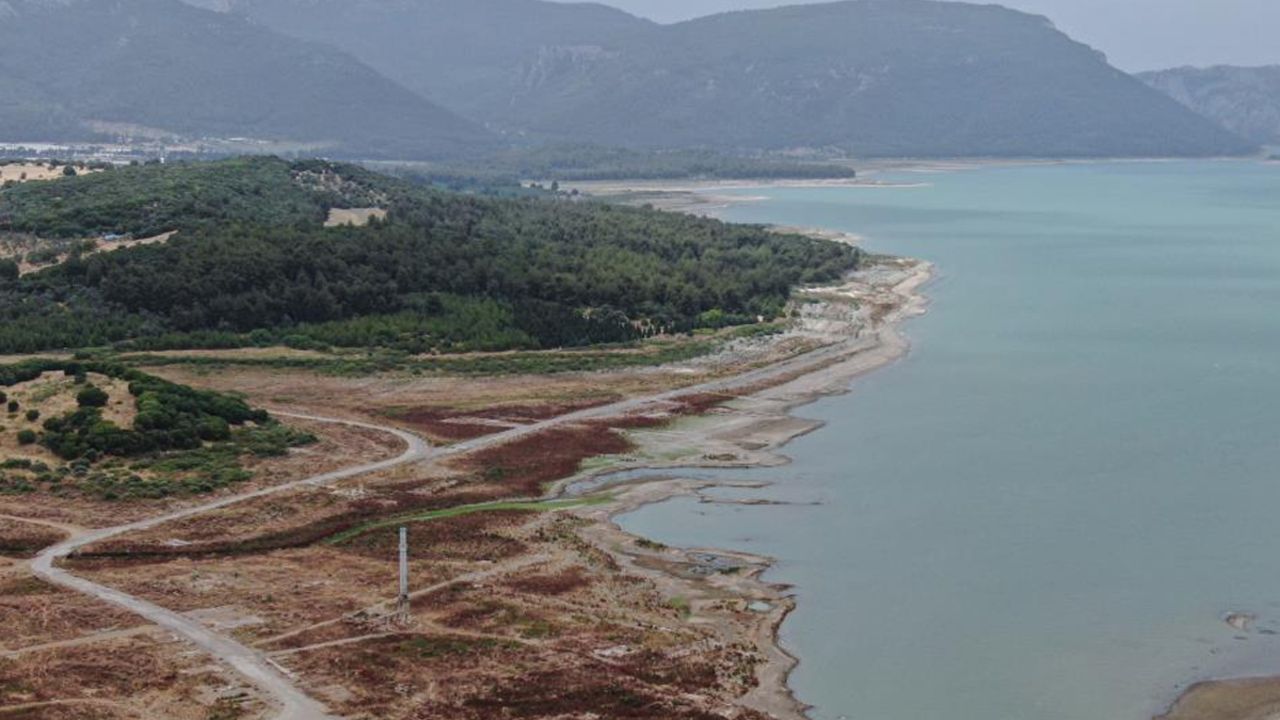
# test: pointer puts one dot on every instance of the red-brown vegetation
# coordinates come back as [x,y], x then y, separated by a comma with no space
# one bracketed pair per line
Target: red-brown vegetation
[524,467]
[18,539]
[561,583]
[466,537]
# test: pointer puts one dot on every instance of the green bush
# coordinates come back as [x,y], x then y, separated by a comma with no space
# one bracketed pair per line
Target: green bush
[170,416]
[92,397]
[26,437]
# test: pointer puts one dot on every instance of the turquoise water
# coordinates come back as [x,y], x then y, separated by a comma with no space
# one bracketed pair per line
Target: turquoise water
[1046,510]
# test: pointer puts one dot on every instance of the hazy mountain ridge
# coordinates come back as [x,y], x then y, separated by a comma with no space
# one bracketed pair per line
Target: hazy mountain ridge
[1244,99]
[873,77]
[466,54]
[163,66]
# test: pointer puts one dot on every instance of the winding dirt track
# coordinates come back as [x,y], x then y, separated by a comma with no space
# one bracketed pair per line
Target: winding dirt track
[254,665]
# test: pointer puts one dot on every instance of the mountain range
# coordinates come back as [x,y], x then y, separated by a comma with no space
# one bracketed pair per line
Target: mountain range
[1245,100]
[868,77]
[436,78]
[94,69]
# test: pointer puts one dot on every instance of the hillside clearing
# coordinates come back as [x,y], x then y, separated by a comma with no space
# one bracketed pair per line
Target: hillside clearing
[357,217]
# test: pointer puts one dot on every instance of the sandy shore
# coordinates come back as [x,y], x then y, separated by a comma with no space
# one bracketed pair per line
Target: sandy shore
[1247,699]
[748,431]
[1238,699]
[708,197]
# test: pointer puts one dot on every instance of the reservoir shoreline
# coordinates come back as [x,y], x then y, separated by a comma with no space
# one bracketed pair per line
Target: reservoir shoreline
[1188,639]
[748,432]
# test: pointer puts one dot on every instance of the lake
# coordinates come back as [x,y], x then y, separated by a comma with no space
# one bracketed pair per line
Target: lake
[1047,509]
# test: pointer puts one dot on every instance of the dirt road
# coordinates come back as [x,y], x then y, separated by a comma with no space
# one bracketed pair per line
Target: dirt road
[254,666]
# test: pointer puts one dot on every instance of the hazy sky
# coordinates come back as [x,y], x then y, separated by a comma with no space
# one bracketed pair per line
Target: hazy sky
[1135,34]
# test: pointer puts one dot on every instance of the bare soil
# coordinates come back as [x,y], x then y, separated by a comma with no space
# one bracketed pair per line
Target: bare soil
[357,217]
[32,172]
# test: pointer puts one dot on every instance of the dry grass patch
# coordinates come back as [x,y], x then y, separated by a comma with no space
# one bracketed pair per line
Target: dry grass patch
[21,172]
[33,612]
[379,397]
[22,539]
[260,596]
[137,677]
[357,217]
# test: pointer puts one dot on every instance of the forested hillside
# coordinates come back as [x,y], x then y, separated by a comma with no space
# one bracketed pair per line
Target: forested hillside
[598,162]
[77,70]
[1244,99]
[253,262]
[464,53]
[868,77]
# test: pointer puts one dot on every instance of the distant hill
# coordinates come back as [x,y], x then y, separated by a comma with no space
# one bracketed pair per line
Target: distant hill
[1244,99]
[872,77]
[80,69]
[467,54]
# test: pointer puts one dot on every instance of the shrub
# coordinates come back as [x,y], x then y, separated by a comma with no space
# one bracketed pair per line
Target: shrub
[33,415]
[13,406]
[26,437]
[92,396]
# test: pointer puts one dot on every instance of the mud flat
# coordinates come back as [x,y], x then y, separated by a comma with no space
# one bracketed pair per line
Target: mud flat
[708,198]
[723,589]
[1249,699]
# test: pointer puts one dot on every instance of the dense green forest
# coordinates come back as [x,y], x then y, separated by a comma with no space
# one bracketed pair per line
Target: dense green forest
[146,200]
[253,262]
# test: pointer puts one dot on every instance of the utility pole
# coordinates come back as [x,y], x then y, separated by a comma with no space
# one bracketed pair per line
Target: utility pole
[402,603]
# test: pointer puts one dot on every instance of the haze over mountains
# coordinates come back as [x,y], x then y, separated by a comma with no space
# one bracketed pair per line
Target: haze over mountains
[470,54]
[374,78]
[77,69]
[1245,100]
[872,77]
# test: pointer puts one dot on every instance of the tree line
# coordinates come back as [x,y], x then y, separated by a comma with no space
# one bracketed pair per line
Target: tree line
[443,271]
